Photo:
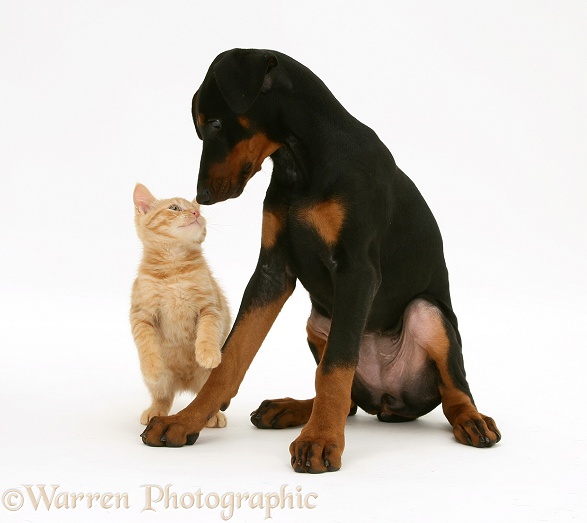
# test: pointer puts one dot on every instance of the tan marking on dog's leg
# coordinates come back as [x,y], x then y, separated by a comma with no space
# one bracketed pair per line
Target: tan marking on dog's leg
[320,445]
[289,412]
[469,426]
[239,351]
[243,343]
[319,343]
[437,344]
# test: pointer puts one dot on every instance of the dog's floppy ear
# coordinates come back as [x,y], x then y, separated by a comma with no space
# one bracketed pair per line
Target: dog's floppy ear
[241,75]
[195,113]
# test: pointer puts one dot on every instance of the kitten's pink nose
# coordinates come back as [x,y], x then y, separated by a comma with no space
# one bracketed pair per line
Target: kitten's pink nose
[196,214]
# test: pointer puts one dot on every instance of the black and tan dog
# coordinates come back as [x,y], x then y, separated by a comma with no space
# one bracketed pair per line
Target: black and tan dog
[344,220]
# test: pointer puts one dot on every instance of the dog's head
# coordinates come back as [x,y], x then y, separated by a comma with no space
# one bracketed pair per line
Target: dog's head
[227,111]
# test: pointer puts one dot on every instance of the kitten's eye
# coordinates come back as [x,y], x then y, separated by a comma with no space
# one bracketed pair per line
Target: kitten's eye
[215,124]
[175,208]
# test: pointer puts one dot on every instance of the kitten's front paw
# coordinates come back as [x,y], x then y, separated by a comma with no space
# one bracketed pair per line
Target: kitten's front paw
[217,421]
[207,356]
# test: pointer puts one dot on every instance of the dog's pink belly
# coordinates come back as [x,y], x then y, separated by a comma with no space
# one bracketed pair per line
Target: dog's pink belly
[394,375]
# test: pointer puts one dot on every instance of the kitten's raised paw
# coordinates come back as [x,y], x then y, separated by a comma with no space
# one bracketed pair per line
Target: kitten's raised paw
[151,412]
[217,421]
[208,357]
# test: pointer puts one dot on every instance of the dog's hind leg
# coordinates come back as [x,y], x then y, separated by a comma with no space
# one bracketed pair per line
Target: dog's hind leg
[436,335]
[289,412]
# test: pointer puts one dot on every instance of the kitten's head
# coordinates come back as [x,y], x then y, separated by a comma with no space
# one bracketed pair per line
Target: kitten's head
[172,221]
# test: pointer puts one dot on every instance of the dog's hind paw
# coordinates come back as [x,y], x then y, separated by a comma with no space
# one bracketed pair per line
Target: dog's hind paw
[478,431]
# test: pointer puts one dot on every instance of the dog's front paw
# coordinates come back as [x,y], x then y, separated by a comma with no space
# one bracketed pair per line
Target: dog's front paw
[208,356]
[476,430]
[218,421]
[316,454]
[169,431]
[281,413]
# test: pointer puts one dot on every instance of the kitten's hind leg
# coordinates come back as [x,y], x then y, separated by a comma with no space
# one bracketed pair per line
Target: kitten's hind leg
[162,395]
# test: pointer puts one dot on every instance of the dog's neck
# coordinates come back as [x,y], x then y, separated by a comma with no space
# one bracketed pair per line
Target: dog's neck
[311,128]
[308,149]
[291,164]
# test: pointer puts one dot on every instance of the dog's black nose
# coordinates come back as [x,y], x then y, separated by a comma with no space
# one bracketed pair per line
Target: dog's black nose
[203,197]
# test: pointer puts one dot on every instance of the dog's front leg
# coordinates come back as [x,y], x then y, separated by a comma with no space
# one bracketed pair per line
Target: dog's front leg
[269,288]
[320,445]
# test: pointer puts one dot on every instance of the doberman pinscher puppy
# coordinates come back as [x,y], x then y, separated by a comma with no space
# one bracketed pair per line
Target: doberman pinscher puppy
[344,220]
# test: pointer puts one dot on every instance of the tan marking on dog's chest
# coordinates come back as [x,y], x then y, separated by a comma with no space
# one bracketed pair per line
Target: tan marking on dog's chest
[271,227]
[326,218]
[245,122]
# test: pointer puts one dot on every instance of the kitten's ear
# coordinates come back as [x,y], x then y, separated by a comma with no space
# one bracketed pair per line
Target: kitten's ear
[143,199]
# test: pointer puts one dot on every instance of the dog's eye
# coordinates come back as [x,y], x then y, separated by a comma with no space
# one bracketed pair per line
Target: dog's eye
[174,208]
[215,124]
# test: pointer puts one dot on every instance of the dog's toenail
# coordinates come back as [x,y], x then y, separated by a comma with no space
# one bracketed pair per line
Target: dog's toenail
[191,438]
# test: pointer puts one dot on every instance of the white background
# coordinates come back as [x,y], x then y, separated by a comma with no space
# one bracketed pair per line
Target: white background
[483,104]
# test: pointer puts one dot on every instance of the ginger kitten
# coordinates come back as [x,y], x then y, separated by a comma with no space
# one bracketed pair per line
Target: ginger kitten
[179,315]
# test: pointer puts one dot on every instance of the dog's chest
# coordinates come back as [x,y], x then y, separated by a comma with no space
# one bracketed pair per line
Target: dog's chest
[312,237]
